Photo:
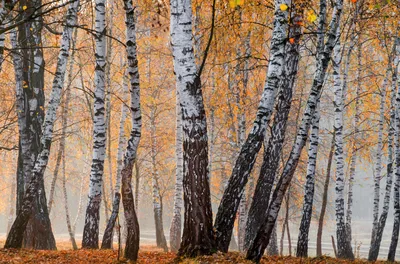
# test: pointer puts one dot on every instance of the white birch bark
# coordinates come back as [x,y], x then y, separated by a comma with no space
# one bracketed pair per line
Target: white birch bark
[90,237]
[353,162]
[14,239]
[197,236]
[338,128]
[176,224]
[396,198]
[376,241]
[378,158]
[302,241]
[131,221]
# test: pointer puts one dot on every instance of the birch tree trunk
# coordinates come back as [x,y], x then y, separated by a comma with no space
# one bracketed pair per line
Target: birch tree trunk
[325,197]
[109,232]
[353,162]
[20,107]
[157,198]
[272,154]
[396,199]
[244,163]
[378,160]
[302,241]
[90,237]
[343,244]
[38,232]
[131,221]
[15,236]
[263,236]
[376,242]
[176,224]
[197,238]
[243,211]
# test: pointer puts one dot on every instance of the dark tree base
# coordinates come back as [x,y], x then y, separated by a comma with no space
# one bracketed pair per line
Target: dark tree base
[109,232]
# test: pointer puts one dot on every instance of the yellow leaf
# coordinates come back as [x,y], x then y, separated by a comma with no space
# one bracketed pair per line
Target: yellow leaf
[311,16]
[283,7]
[24,7]
[235,3]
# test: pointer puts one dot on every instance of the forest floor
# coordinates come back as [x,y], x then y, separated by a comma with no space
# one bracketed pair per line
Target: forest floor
[147,254]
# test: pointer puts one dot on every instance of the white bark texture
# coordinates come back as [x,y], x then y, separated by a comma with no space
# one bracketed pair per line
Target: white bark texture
[90,237]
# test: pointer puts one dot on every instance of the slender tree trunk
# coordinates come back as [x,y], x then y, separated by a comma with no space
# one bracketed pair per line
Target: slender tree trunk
[67,216]
[282,236]
[157,198]
[15,236]
[344,248]
[109,232]
[90,237]
[287,224]
[302,241]
[244,163]
[375,245]
[243,210]
[353,162]
[378,166]
[20,107]
[396,199]
[263,236]
[131,221]
[325,197]
[176,224]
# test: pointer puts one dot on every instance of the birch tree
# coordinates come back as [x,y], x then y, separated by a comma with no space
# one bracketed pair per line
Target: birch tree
[263,235]
[380,225]
[197,238]
[302,241]
[131,221]
[343,246]
[396,198]
[244,163]
[109,232]
[90,237]
[15,236]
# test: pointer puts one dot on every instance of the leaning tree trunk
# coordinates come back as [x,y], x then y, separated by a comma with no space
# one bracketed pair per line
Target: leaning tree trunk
[272,154]
[131,221]
[90,237]
[302,241]
[376,242]
[244,163]
[396,199]
[325,198]
[263,236]
[109,232]
[15,236]
[176,223]
[197,238]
